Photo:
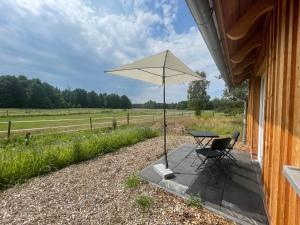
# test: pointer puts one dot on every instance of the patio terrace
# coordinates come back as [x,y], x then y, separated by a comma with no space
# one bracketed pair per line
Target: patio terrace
[234,192]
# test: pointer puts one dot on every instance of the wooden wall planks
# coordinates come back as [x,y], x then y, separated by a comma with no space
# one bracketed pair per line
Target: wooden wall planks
[282,111]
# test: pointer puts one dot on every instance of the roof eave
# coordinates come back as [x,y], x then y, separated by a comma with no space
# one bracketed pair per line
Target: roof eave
[204,18]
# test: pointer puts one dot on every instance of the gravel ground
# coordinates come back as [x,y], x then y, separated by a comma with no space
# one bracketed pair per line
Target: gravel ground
[92,193]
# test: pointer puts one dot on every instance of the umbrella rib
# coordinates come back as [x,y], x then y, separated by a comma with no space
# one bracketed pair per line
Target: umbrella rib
[138,68]
[142,69]
[149,72]
[174,75]
[183,72]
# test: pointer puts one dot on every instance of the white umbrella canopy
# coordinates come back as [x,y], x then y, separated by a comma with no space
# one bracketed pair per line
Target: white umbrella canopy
[163,69]
[151,69]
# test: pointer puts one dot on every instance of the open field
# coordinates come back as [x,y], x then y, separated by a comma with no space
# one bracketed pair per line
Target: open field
[64,120]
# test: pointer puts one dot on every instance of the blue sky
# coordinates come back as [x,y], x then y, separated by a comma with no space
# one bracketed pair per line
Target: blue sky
[69,43]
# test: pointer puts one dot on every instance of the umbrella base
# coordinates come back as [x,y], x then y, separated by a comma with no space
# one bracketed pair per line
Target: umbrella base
[163,171]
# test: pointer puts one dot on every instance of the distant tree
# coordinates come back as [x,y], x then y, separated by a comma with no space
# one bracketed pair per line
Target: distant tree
[240,92]
[232,101]
[150,105]
[105,103]
[36,95]
[92,100]
[101,101]
[67,96]
[182,105]
[11,92]
[171,105]
[32,93]
[54,96]
[80,97]
[113,101]
[125,102]
[197,94]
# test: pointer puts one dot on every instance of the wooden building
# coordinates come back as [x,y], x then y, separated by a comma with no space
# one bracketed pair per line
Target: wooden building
[259,41]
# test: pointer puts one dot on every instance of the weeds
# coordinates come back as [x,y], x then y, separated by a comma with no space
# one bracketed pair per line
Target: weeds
[133,181]
[144,202]
[195,201]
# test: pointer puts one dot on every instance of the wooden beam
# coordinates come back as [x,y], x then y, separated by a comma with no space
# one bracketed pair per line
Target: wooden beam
[244,64]
[245,75]
[237,81]
[240,54]
[239,29]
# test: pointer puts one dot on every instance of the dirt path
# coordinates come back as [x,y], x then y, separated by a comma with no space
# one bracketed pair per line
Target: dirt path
[93,193]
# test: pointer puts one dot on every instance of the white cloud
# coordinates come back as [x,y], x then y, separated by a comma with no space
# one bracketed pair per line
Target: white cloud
[108,36]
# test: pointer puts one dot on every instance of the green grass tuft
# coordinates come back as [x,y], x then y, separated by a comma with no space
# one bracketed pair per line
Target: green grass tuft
[195,201]
[133,181]
[19,162]
[144,202]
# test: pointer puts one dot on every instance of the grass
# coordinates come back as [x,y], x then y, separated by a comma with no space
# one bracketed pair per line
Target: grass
[39,118]
[144,202]
[133,182]
[195,201]
[219,123]
[19,162]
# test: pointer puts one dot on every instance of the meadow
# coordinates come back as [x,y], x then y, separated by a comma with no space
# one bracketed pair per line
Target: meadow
[39,121]
[45,153]
[219,123]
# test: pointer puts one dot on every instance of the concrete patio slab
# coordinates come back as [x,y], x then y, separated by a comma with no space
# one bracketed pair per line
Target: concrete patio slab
[234,192]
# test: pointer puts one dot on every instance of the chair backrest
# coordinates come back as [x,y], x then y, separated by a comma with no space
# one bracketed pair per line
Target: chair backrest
[234,138]
[220,144]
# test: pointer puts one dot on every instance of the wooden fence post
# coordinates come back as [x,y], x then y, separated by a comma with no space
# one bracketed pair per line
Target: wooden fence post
[91,124]
[8,129]
[128,118]
[114,124]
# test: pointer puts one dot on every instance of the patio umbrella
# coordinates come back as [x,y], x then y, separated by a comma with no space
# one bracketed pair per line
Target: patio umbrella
[163,69]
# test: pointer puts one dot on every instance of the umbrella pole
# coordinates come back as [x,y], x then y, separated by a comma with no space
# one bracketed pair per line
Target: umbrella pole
[165,124]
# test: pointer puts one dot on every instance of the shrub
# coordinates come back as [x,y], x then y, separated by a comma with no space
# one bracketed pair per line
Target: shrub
[194,200]
[133,181]
[144,202]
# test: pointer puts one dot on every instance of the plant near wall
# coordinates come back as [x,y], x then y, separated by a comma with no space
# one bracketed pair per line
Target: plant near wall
[195,201]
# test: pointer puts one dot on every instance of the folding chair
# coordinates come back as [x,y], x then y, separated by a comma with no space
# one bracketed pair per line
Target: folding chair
[216,151]
[230,146]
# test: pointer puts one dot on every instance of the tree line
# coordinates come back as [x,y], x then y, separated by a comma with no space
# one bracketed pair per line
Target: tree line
[21,92]
[231,102]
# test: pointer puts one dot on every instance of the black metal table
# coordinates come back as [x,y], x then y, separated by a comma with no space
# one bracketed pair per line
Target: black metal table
[200,136]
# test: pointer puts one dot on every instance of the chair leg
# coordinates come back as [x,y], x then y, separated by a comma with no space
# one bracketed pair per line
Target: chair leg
[202,163]
[194,161]
[231,157]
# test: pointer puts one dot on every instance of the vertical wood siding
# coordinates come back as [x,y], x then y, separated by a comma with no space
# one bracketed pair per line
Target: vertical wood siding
[282,111]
